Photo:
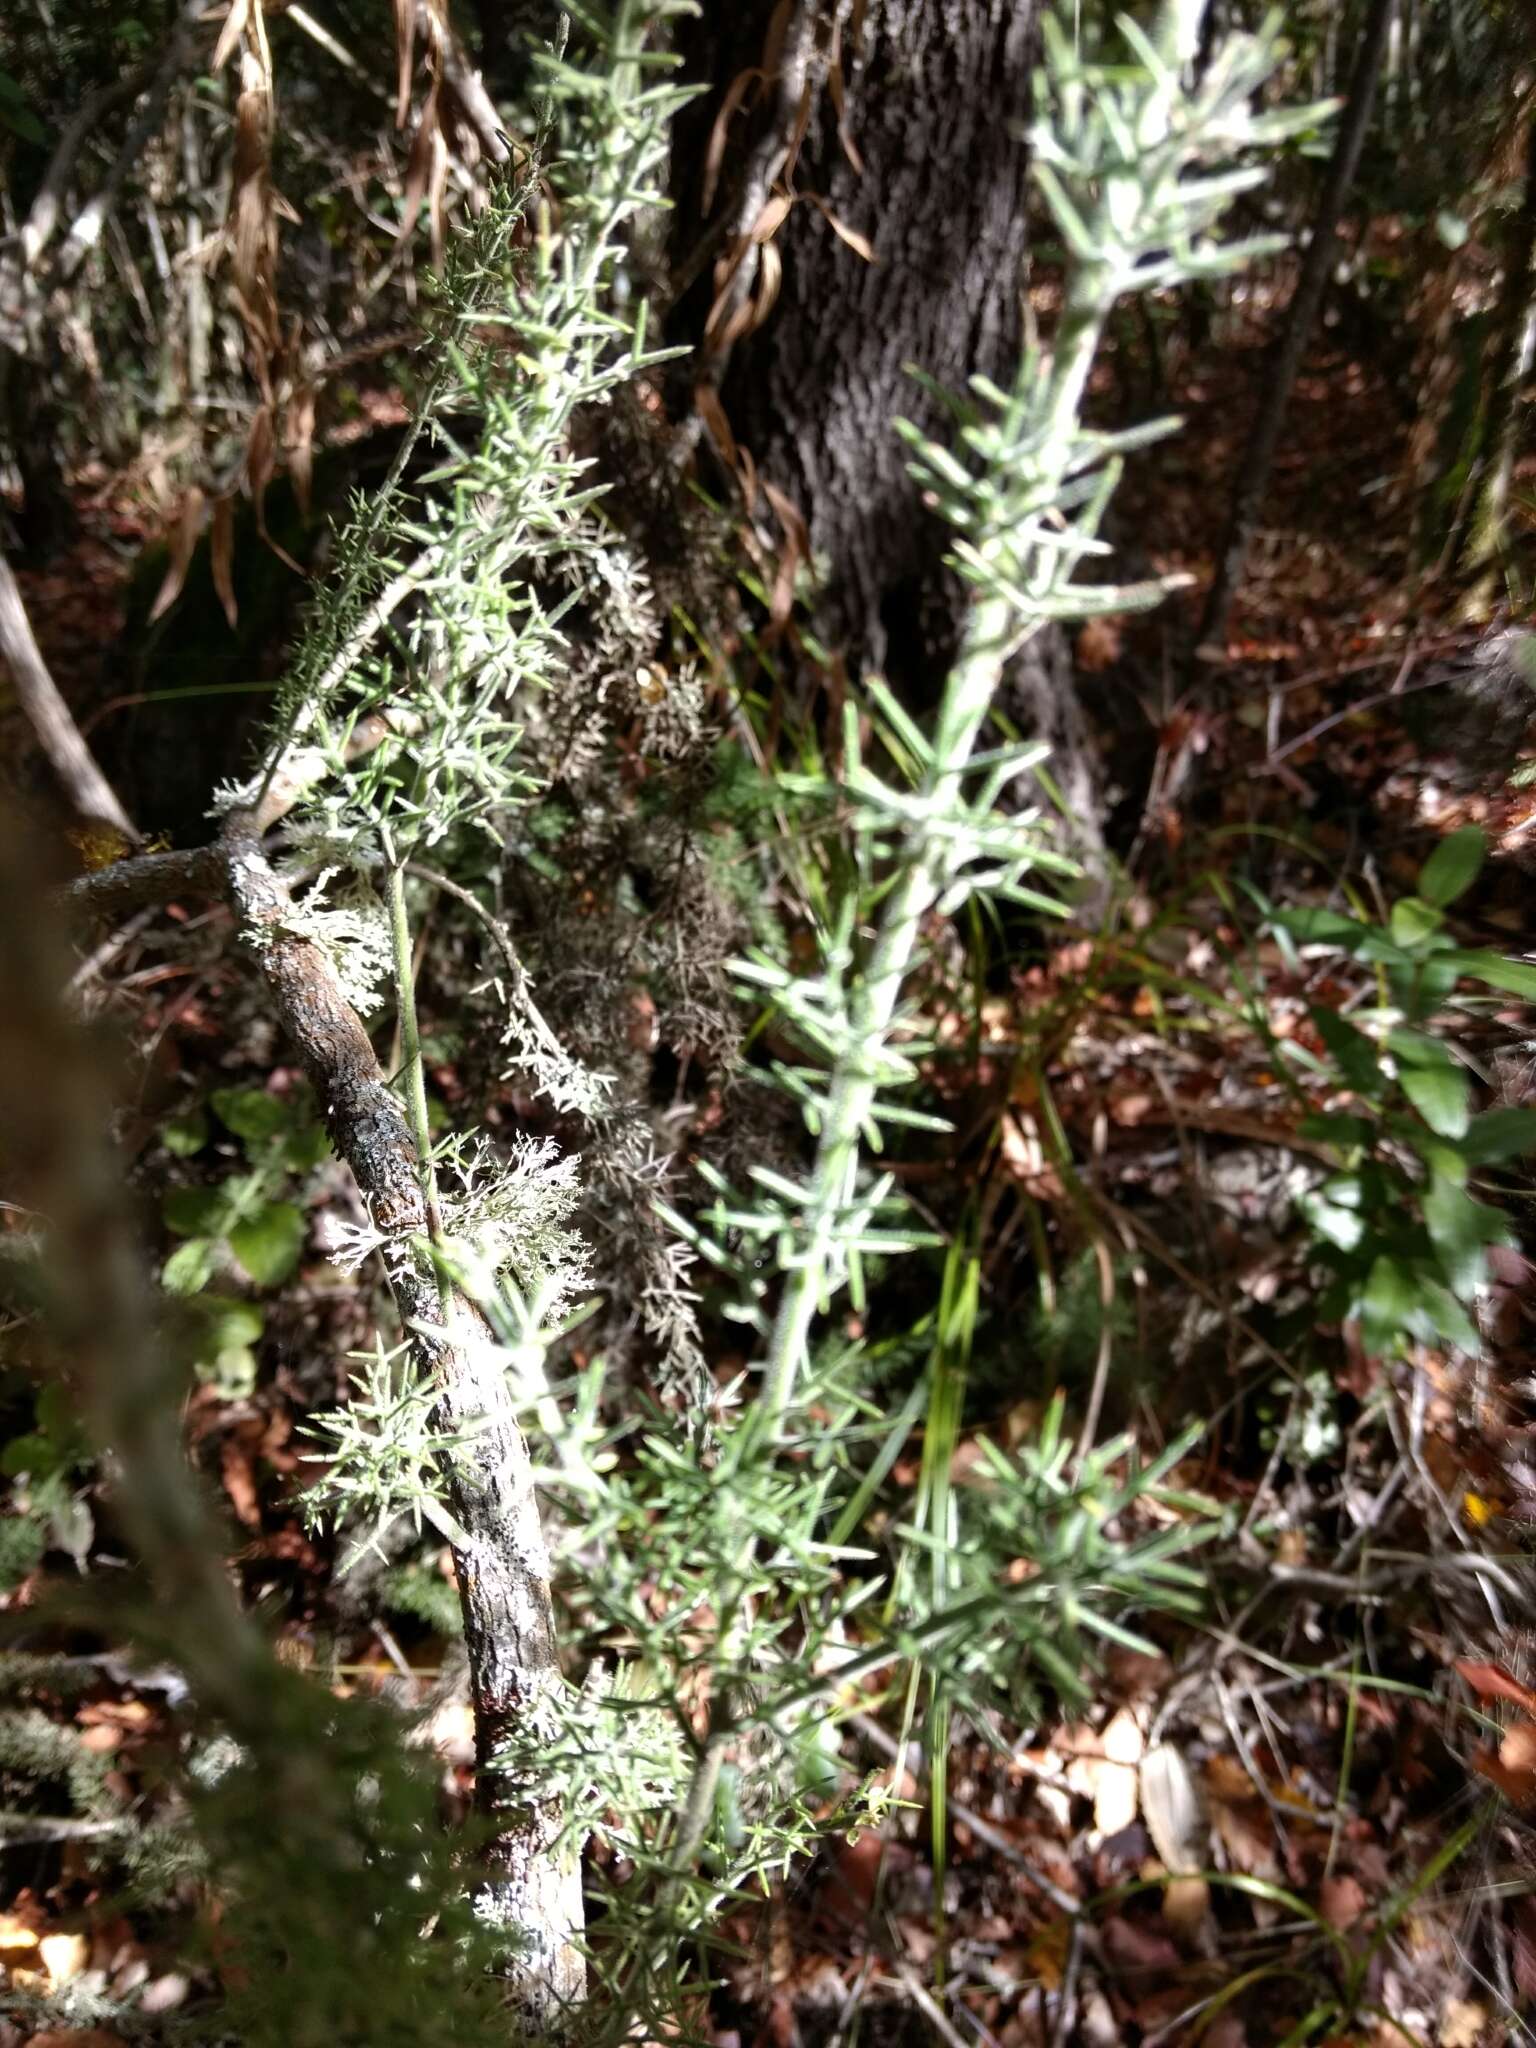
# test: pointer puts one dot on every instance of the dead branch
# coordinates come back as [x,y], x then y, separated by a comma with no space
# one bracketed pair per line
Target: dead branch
[87,788]
[85,229]
[47,206]
[503,1567]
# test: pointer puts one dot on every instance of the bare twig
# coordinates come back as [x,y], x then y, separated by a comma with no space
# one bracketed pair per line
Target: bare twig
[48,715]
[23,1830]
[116,942]
[85,229]
[47,205]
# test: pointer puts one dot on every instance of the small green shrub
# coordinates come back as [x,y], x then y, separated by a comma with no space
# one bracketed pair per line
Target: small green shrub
[1401,1226]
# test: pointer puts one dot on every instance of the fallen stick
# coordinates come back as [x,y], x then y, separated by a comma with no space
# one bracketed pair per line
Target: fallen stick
[89,792]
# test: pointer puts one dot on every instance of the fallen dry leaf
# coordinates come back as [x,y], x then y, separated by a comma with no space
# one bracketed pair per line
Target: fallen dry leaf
[848,1892]
[1134,1951]
[63,1956]
[20,1930]
[1103,1769]
[237,1468]
[1098,645]
[1493,1682]
[1513,1769]
[1462,2023]
[1341,1901]
[1186,1908]
[1170,1805]
[1045,1960]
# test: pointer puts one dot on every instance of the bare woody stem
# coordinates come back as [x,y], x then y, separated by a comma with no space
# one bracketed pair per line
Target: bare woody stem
[88,790]
[532,1887]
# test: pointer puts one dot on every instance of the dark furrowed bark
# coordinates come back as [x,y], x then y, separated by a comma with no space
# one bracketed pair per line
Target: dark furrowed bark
[936,95]
[931,95]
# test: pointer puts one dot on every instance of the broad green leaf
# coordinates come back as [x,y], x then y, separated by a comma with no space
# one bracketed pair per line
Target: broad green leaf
[1461,1228]
[1452,867]
[196,1212]
[1353,1052]
[1334,1128]
[251,1113]
[1445,1157]
[22,121]
[1314,925]
[190,1266]
[306,1148]
[34,1453]
[1440,1314]
[227,1321]
[1439,1094]
[1419,1048]
[1516,977]
[268,1243]
[1499,1134]
[1338,1226]
[1413,922]
[1379,949]
[185,1135]
[1387,1302]
[1422,984]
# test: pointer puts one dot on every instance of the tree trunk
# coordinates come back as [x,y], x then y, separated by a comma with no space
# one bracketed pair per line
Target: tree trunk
[913,112]
[1478,531]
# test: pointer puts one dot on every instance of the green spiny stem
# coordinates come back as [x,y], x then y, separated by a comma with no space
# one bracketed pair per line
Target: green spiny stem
[997,628]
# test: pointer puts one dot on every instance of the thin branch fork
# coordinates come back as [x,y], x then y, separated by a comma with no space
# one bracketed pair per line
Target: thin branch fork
[533,1888]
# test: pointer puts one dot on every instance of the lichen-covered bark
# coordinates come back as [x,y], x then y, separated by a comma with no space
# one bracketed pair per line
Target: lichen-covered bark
[531,1889]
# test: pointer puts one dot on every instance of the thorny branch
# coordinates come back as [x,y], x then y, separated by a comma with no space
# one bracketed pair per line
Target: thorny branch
[533,1887]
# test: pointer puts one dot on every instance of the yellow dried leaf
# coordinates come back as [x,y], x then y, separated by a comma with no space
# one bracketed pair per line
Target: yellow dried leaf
[183,541]
[774,213]
[221,555]
[64,1956]
[1462,2023]
[857,241]
[733,97]
[229,35]
[16,1936]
